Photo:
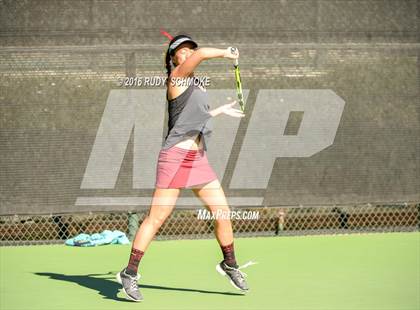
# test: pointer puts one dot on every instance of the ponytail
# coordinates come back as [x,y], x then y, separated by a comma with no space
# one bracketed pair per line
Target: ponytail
[168,65]
[179,39]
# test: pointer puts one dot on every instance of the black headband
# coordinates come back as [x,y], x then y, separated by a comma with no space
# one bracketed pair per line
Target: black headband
[178,42]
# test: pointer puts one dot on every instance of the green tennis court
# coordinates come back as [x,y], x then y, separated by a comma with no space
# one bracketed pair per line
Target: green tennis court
[356,271]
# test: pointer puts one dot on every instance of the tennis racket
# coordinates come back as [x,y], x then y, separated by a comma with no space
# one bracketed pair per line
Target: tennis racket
[238,82]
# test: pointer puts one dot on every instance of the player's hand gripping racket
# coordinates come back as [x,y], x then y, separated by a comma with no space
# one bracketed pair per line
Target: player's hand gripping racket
[238,81]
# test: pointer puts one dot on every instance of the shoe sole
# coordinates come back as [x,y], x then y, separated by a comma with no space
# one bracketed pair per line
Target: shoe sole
[223,273]
[128,296]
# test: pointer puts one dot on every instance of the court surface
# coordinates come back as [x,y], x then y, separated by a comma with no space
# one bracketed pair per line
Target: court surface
[355,271]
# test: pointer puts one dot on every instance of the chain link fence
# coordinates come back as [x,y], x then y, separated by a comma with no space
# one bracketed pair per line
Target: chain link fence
[56,78]
[186,224]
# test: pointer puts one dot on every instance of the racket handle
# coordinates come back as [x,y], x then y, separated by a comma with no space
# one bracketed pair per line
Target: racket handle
[233,50]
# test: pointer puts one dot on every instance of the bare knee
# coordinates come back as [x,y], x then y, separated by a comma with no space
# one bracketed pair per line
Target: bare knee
[161,218]
[157,220]
[219,208]
[221,214]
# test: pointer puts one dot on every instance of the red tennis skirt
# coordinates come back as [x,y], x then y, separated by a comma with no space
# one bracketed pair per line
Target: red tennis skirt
[181,168]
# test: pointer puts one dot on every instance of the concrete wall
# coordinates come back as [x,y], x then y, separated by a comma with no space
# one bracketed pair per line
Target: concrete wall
[59,61]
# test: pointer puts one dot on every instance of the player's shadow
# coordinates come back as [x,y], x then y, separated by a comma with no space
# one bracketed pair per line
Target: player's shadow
[109,288]
[98,282]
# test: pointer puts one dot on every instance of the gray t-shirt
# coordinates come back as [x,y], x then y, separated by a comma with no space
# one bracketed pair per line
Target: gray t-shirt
[188,115]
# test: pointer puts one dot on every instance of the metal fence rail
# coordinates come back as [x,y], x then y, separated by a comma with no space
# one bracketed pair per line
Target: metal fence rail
[185,224]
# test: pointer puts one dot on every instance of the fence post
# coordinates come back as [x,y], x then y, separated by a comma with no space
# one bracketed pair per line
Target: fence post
[133,225]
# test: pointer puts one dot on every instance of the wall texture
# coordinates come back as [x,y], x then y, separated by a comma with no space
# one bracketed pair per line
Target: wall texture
[59,60]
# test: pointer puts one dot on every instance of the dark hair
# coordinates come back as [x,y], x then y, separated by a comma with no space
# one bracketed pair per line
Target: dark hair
[168,63]
[169,54]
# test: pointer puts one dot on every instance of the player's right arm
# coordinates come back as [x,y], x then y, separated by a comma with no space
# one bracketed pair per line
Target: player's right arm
[188,66]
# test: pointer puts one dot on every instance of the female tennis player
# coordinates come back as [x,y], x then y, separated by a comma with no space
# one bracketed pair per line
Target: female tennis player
[183,163]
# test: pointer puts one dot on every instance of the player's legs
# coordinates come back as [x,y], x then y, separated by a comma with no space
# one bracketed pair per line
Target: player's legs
[163,202]
[214,198]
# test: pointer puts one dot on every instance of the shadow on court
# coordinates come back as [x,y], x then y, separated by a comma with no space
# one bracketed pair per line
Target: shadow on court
[110,288]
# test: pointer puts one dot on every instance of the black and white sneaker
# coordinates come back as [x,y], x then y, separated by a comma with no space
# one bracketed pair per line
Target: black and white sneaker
[129,285]
[236,276]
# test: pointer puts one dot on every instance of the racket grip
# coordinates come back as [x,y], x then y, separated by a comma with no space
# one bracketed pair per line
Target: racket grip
[233,50]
